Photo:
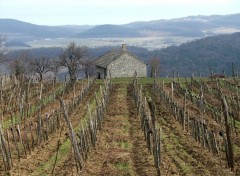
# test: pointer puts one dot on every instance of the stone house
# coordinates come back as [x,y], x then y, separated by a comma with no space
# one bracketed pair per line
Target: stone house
[120,64]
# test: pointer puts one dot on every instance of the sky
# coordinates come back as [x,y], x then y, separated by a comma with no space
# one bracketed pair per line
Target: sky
[95,12]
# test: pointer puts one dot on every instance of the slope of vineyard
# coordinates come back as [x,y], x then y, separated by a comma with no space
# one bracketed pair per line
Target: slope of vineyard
[131,126]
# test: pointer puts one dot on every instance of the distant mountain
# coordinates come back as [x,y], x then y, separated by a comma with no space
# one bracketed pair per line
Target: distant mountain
[15,29]
[218,52]
[16,44]
[110,31]
[192,26]
[9,26]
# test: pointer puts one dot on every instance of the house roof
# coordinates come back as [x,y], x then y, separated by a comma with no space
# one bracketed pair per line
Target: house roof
[106,59]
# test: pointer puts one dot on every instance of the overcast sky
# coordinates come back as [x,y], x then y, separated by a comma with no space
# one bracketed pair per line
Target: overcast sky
[62,12]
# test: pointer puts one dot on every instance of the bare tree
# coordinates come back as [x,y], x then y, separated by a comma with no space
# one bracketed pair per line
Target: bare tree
[73,58]
[88,66]
[54,66]
[20,66]
[154,66]
[2,49]
[41,66]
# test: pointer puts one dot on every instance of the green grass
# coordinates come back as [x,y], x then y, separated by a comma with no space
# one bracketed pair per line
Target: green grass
[237,124]
[125,81]
[126,127]
[144,81]
[64,149]
[92,105]
[123,144]
[122,80]
[99,81]
[186,169]
[172,145]
[121,166]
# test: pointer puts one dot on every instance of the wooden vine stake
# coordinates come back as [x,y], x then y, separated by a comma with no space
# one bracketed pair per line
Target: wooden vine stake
[1,91]
[40,94]
[184,110]
[5,152]
[155,136]
[201,104]
[230,155]
[72,136]
[172,90]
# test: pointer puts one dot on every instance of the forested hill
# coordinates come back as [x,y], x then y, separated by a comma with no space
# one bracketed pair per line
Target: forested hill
[219,52]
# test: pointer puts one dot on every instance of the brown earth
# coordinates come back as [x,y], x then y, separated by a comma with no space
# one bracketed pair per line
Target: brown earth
[120,148]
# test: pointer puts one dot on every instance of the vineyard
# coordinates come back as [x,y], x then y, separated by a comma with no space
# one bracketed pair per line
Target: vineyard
[124,126]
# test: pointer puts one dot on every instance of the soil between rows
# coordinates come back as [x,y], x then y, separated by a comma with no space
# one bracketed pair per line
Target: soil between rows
[120,149]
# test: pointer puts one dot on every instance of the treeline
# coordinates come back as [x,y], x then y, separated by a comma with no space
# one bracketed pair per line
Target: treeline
[217,52]
[197,57]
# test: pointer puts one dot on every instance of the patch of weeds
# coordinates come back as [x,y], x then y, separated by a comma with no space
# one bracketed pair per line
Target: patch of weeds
[64,149]
[125,126]
[236,149]
[125,129]
[183,167]
[92,105]
[99,81]
[124,144]
[145,80]
[122,80]
[172,140]
[237,123]
[121,166]
[124,168]
[168,146]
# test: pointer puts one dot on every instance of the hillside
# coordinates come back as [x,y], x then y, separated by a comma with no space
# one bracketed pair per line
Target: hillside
[218,52]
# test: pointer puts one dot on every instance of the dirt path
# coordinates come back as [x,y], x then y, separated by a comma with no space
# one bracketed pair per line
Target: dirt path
[120,149]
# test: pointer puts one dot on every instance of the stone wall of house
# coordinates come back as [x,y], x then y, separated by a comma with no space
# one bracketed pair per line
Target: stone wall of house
[126,65]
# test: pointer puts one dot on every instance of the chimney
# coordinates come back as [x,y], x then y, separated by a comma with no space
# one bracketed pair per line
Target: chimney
[124,47]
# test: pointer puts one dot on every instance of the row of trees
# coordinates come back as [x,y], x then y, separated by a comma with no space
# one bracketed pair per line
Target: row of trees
[74,58]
